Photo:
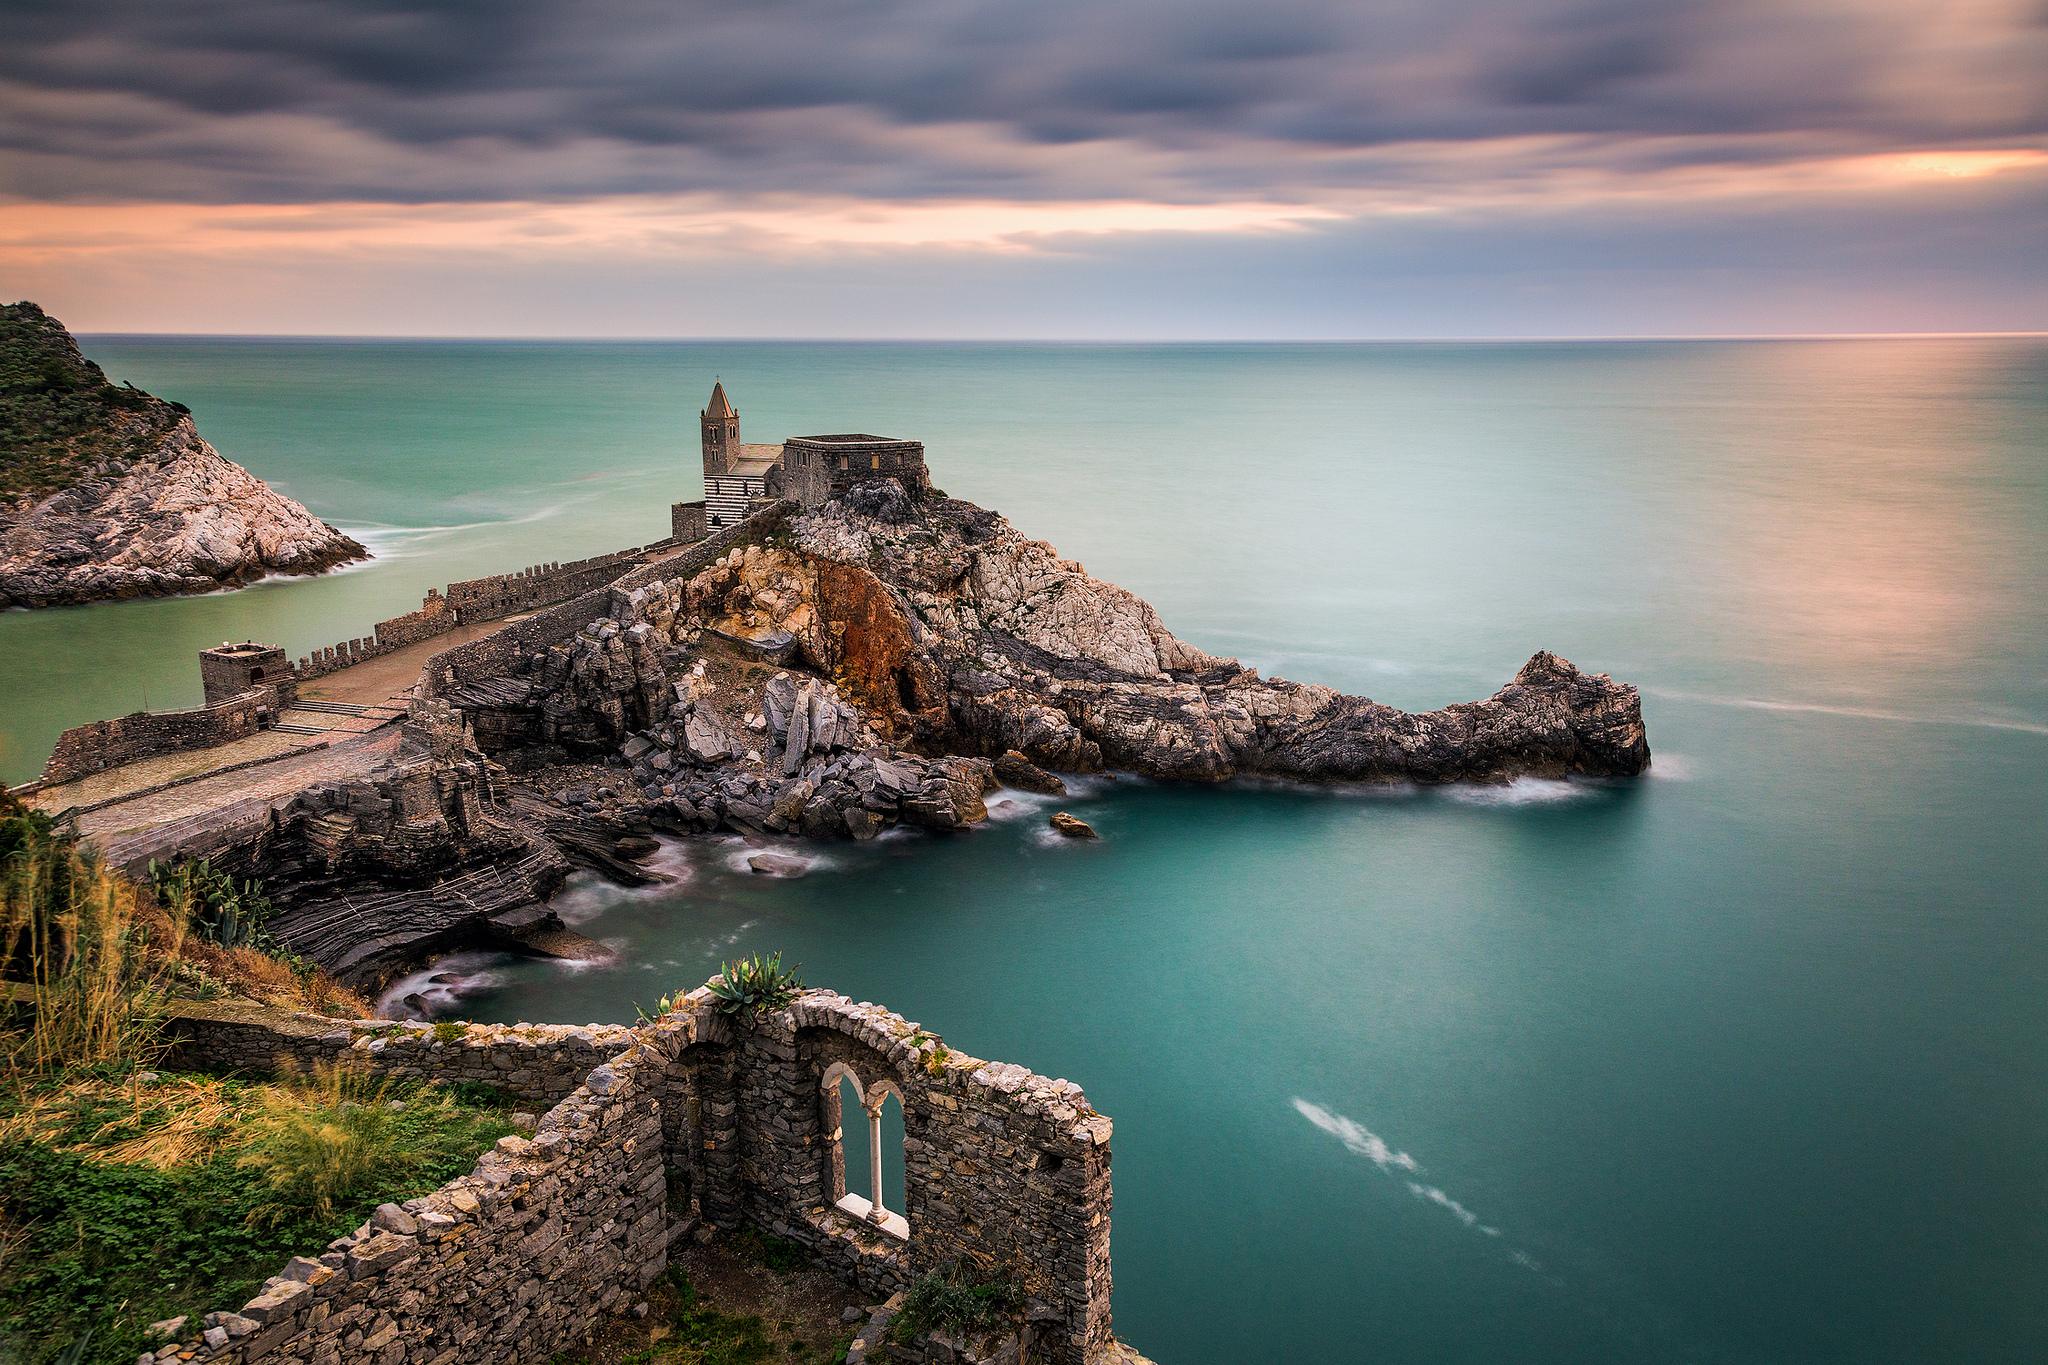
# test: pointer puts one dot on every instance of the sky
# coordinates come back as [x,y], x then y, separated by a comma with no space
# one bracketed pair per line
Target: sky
[1027,168]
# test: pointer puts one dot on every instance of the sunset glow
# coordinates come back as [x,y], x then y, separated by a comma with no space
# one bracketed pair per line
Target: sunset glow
[1542,172]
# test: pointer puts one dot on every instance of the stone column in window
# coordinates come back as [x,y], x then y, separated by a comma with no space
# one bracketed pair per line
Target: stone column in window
[874,1107]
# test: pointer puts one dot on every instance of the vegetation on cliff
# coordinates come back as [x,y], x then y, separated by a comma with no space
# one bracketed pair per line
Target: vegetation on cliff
[93,959]
[59,413]
[107,492]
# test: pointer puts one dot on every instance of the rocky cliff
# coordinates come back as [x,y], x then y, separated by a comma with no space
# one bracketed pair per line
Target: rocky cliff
[887,659]
[107,492]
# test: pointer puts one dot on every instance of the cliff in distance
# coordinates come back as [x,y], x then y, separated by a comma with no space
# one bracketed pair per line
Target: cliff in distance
[107,492]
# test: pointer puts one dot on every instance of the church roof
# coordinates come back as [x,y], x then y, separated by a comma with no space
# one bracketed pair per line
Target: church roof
[719,407]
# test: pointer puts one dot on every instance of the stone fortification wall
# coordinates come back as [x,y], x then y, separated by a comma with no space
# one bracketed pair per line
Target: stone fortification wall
[105,744]
[484,599]
[434,617]
[499,653]
[473,600]
[87,749]
[540,1064]
[696,1116]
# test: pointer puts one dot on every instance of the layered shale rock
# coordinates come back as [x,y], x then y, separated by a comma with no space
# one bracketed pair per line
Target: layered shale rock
[107,492]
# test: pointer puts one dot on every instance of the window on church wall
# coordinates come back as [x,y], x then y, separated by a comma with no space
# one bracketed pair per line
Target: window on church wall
[865,1126]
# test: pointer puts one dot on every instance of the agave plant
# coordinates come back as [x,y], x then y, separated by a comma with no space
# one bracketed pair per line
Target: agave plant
[751,985]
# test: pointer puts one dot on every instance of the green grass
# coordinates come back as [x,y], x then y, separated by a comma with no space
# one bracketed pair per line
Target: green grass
[700,1334]
[187,1215]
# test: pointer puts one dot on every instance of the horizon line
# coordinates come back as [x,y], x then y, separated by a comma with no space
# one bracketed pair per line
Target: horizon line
[1551,338]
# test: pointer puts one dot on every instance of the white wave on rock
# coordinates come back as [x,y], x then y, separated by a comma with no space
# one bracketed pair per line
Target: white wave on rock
[440,987]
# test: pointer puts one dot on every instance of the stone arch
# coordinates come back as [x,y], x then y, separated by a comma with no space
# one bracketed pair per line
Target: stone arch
[872,1094]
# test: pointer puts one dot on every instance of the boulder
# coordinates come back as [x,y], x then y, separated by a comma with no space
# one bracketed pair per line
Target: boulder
[1071,826]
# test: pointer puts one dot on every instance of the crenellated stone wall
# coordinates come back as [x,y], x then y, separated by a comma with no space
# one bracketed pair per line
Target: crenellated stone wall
[731,1120]
[482,599]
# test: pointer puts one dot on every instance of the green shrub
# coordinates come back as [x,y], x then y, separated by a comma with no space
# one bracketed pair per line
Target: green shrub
[959,1302]
[332,1136]
[219,909]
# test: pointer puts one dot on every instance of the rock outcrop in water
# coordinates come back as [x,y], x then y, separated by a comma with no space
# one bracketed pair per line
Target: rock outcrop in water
[884,660]
[107,492]
[879,661]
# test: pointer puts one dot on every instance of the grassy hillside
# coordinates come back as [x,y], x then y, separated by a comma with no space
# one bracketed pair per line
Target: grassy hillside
[59,414]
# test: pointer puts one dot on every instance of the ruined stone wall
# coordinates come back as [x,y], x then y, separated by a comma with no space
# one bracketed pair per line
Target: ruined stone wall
[87,749]
[1004,1170]
[539,1064]
[694,1116]
[516,1261]
[687,522]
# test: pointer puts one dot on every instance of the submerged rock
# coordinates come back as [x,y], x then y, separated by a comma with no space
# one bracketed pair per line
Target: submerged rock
[777,864]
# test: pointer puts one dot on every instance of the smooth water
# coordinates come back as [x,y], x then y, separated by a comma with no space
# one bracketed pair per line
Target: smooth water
[1746,1061]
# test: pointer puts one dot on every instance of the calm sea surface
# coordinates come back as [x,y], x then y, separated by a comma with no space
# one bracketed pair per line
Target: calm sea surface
[1747,1061]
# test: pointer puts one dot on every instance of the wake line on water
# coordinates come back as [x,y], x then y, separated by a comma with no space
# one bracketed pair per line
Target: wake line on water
[2028,727]
[1360,1140]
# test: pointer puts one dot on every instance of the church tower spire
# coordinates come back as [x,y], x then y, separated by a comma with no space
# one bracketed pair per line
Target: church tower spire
[719,422]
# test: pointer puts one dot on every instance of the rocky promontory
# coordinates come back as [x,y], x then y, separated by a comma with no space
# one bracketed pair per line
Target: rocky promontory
[108,492]
[884,659]
[887,659]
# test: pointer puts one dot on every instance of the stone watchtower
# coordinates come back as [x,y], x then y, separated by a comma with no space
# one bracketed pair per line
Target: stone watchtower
[230,670]
[720,424]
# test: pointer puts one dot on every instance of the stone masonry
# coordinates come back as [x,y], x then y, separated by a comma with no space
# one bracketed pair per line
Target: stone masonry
[696,1116]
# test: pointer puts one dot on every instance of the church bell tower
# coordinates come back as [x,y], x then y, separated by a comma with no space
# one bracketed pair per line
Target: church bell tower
[720,422]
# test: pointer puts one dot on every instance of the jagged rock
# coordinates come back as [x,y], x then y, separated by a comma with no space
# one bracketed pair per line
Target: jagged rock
[1073,827]
[1015,770]
[705,740]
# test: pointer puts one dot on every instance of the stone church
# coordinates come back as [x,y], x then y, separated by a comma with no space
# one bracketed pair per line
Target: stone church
[740,478]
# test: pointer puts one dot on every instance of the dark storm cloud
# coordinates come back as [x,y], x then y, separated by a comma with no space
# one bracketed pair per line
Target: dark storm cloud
[226,100]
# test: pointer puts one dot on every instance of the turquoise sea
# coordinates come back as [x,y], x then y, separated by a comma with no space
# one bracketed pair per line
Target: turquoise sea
[1743,1062]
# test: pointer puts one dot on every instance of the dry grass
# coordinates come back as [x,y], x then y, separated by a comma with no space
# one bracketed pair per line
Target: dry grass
[174,1121]
[87,944]
[95,955]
